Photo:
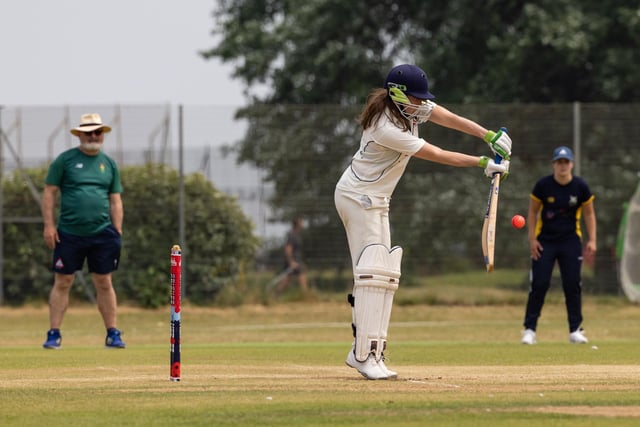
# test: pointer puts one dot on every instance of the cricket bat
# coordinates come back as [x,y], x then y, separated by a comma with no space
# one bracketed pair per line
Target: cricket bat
[489,224]
[278,278]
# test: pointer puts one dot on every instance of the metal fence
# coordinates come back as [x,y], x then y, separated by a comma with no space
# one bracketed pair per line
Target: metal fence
[604,138]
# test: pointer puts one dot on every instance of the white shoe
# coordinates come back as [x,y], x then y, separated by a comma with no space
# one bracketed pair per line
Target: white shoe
[528,337]
[368,369]
[577,337]
[388,372]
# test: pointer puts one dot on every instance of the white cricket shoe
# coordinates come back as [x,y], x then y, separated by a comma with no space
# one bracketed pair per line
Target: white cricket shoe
[528,337]
[577,337]
[388,372]
[368,369]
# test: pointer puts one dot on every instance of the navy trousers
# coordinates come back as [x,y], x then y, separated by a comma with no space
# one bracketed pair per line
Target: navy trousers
[568,254]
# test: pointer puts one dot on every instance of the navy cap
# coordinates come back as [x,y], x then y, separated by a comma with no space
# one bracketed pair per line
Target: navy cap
[563,153]
[412,79]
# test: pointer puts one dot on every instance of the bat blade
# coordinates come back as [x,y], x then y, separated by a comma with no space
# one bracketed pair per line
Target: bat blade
[489,224]
[485,250]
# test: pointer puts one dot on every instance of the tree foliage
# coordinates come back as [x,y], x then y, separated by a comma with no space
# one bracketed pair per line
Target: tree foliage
[332,51]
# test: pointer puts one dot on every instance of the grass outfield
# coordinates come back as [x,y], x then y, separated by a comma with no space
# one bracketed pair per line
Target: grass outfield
[282,364]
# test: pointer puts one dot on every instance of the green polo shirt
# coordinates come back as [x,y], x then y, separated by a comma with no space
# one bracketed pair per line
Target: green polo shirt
[85,184]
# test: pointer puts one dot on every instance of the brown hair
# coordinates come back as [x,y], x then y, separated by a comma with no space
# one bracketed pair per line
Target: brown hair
[377,104]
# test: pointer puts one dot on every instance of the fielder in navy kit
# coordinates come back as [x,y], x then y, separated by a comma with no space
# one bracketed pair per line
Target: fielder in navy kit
[556,206]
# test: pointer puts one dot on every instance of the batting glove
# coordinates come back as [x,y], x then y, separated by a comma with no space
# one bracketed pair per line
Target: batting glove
[491,167]
[505,174]
[499,142]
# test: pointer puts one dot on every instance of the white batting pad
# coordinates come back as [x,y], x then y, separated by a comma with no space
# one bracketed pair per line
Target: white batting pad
[377,278]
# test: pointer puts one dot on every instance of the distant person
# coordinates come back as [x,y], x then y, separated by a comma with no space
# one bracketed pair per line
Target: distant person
[89,226]
[556,204]
[294,266]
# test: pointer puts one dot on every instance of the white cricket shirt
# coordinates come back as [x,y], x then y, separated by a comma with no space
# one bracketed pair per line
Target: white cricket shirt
[385,151]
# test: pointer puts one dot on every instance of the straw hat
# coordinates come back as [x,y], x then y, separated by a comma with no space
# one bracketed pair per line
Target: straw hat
[89,122]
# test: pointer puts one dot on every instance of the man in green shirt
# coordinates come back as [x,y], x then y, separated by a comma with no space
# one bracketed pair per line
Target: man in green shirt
[89,226]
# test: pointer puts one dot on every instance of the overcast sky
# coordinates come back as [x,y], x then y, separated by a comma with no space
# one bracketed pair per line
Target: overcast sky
[111,51]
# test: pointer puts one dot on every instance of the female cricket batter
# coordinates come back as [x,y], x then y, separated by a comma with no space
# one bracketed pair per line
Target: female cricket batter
[390,138]
[555,206]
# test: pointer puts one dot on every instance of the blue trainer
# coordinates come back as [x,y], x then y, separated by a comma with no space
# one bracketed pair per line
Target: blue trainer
[113,339]
[54,340]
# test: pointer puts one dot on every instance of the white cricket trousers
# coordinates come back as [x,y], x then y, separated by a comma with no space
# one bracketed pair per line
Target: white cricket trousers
[365,219]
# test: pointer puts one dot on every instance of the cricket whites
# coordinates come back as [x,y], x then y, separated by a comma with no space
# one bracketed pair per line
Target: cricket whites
[176,281]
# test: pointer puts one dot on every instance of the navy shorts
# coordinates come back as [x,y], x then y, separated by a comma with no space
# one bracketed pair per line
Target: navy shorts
[101,251]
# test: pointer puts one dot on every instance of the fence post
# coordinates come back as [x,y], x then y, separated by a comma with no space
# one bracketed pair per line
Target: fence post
[181,195]
[576,136]
[1,212]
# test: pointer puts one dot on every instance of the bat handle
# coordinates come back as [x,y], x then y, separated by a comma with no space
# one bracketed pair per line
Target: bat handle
[498,158]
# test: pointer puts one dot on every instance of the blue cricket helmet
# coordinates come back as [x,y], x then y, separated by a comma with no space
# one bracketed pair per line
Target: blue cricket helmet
[410,79]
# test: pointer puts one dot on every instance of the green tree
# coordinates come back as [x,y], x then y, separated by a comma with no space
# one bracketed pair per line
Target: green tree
[219,241]
[541,51]
[332,51]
